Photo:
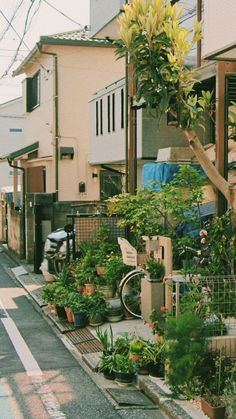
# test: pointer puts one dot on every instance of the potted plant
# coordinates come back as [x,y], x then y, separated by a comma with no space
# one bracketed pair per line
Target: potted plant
[215,371]
[78,304]
[155,270]
[106,366]
[106,339]
[122,344]
[48,295]
[136,349]
[125,369]
[114,271]
[155,355]
[97,310]
[114,310]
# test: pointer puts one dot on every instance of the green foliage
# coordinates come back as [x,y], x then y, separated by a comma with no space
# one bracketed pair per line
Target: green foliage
[106,339]
[78,303]
[49,292]
[149,213]
[122,344]
[185,348]
[155,352]
[122,363]
[115,269]
[214,372]
[220,246]
[158,46]
[97,306]
[155,269]
[158,320]
[137,346]
[230,399]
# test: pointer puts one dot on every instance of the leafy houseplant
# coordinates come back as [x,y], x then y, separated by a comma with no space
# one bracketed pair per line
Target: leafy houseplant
[122,344]
[106,339]
[155,355]
[215,371]
[106,365]
[136,349]
[124,368]
[155,269]
[78,303]
[97,310]
[114,271]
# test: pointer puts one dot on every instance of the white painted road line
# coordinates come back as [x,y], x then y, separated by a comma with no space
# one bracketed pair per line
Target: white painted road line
[32,368]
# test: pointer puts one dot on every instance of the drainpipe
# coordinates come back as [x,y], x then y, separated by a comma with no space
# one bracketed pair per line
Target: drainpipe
[199,43]
[23,200]
[56,118]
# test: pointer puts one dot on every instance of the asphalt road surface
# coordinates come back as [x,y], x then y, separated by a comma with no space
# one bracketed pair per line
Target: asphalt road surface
[39,377]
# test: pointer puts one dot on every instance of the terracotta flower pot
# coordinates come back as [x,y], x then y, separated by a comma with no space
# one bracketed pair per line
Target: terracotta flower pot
[89,289]
[69,315]
[100,270]
[211,411]
[80,289]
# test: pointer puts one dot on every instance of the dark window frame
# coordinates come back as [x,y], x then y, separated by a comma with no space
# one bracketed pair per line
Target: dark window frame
[108,113]
[122,108]
[97,123]
[101,116]
[113,112]
[33,92]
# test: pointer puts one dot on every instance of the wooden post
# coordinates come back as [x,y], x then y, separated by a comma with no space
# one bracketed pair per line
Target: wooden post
[221,142]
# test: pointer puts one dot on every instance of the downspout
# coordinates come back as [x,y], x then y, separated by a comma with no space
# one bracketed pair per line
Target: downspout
[199,43]
[56,119]
[23,200]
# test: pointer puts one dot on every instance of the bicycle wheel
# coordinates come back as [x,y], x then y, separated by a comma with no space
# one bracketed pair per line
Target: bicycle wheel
[130,292]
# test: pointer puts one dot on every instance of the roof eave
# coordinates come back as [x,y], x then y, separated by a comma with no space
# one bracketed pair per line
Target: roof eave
[19,70]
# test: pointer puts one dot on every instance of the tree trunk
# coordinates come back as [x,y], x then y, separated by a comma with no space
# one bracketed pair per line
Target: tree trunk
[228,190]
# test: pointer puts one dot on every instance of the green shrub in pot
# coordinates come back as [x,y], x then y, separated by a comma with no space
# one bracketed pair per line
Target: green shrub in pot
[155,269]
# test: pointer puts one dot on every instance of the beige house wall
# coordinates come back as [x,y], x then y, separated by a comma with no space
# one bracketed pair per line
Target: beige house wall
[219,24]
[81,71]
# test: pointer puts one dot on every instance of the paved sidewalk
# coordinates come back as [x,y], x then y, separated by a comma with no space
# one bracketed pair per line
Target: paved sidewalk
[86,348]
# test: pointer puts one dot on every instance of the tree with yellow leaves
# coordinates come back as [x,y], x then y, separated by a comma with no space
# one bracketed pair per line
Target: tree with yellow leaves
[150,32]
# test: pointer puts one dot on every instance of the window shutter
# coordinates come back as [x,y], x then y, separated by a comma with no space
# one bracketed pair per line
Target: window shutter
[230,89]
[28,94]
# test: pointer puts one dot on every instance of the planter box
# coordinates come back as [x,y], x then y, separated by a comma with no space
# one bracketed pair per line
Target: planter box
[212,412]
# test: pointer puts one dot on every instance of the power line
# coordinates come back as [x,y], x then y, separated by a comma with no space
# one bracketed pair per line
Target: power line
[63,14]
[11,19]
[26,28]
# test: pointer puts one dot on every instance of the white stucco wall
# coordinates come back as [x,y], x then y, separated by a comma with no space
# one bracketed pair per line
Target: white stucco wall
[219,24]
[102,11]
[12,135]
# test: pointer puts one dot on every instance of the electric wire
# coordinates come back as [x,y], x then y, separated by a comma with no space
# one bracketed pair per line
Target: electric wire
[63,14]
[11,19]
[21,37]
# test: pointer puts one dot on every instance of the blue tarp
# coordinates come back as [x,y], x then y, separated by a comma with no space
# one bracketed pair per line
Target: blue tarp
[161,173]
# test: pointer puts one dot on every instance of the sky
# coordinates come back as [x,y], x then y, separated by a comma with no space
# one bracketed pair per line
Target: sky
[42,20]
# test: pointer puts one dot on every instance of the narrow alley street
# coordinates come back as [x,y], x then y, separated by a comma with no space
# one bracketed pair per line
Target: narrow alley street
[39,377]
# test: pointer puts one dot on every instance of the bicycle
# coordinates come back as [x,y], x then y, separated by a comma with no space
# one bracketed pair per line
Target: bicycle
[130,285]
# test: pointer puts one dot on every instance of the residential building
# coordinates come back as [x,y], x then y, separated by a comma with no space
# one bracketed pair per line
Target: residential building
[12,136]
[219,54]
[111,142]
[62,71]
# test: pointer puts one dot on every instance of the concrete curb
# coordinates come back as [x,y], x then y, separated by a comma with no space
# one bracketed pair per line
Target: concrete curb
[155,389]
